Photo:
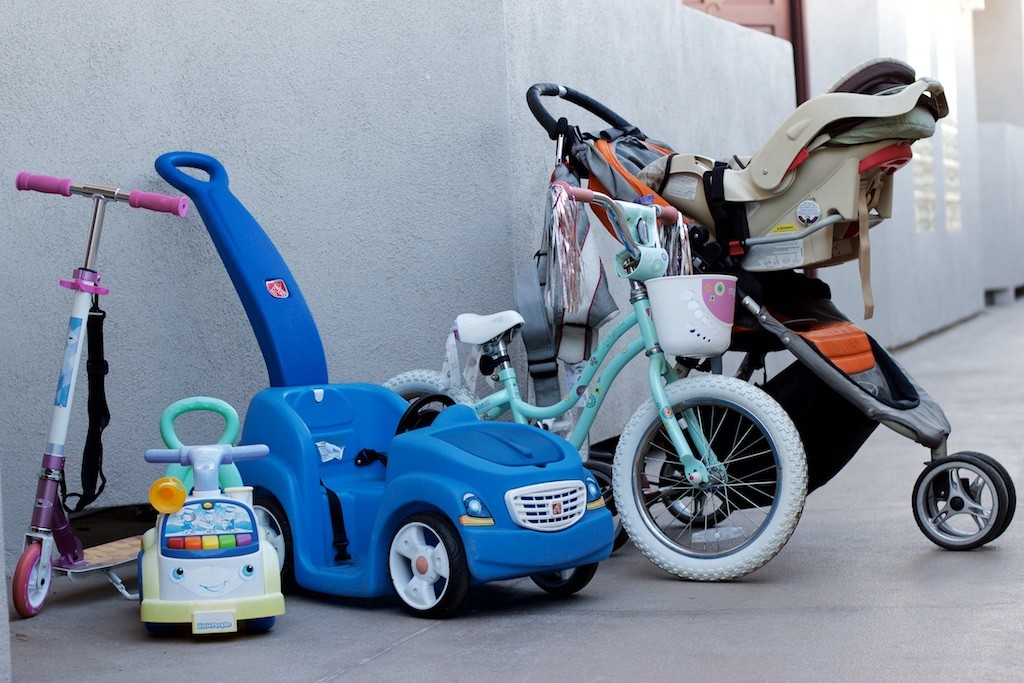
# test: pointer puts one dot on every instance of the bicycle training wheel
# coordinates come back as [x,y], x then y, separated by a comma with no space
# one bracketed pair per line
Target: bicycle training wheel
[736,522]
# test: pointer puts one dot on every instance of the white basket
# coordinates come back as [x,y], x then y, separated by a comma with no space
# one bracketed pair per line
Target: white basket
[693,314]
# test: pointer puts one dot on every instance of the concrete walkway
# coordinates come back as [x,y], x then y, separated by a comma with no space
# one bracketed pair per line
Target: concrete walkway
[858,594]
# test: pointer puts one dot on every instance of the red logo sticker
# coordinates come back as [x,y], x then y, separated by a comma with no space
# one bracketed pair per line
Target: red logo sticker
[556,508]
[277,288]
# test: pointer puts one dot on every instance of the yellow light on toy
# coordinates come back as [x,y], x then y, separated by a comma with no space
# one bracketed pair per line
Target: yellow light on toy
[167,495]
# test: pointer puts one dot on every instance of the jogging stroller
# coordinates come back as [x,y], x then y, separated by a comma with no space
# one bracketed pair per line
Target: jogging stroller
[806,199]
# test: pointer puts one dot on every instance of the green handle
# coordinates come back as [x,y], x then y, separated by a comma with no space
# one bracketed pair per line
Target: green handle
[229,476]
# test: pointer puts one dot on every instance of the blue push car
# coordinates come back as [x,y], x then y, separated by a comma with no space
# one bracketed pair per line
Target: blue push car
[363,494]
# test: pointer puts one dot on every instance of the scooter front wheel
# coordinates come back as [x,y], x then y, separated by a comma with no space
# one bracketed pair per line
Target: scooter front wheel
[31,581]
[737,521]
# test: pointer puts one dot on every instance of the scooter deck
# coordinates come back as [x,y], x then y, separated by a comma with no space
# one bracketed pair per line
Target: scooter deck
[107,555]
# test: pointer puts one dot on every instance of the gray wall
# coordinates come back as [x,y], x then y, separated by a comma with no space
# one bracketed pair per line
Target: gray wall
[1000,65]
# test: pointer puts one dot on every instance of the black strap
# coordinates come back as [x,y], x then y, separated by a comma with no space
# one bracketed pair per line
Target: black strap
[368,456]
[96,369]
[730,218]
[337,526]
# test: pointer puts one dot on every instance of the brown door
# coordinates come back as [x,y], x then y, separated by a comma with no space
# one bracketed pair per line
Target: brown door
[780,18]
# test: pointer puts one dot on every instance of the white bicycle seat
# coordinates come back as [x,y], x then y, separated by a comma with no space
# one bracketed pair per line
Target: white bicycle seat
[478,329]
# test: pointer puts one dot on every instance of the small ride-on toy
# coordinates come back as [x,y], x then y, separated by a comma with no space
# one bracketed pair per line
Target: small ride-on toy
[207,561]
[367,494]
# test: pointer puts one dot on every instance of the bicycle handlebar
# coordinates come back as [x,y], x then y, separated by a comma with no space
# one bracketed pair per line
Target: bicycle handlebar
[666,214]
[547,121]
[137,199]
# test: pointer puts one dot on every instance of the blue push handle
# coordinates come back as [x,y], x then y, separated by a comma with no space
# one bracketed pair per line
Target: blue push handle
[277,311]
[169,167]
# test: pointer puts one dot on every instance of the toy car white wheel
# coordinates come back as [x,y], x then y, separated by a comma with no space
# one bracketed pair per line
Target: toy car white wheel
[31,582]
[271,516]
[427,565]
[961,501]
[566,582]
[759,482]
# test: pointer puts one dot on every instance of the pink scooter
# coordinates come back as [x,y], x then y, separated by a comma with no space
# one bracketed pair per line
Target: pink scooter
[51,531]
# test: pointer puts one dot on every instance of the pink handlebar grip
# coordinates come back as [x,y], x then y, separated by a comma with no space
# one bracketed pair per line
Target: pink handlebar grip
[577,193]
[43,183]
[668,214]
[158,202]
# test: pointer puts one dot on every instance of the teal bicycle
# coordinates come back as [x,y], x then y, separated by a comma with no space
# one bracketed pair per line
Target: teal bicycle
[709,476]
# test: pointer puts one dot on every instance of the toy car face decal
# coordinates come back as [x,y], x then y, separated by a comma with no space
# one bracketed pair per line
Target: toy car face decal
[209,548]
[211,579]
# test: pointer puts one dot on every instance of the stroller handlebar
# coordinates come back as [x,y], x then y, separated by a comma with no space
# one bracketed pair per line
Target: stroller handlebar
[547,121]
[136,198]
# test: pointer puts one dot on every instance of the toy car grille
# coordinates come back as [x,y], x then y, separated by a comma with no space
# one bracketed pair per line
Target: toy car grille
[549,506]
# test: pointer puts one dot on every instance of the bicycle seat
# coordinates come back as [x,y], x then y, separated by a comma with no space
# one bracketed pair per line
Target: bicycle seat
[479,329]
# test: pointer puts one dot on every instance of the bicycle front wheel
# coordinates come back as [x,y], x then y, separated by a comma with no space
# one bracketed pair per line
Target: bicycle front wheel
[733,524]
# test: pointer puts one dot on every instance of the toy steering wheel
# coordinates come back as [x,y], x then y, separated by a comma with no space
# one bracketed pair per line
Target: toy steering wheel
[229,476]
[420,414]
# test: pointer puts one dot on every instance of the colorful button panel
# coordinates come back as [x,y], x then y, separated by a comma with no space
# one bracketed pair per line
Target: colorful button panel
[209,541]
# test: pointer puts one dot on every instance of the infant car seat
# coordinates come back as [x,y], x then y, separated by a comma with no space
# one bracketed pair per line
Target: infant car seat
[808,197]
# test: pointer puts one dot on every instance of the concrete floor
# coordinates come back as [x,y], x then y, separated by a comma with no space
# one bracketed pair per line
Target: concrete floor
[857,594]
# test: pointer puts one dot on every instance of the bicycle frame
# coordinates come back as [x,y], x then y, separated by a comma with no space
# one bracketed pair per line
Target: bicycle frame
[509,398]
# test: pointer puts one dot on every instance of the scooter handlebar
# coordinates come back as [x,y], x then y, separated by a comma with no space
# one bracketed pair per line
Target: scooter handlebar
[136,198]
[158,202]
[43,183]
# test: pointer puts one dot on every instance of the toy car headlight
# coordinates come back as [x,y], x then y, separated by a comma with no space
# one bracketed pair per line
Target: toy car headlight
[594,498]
[477,513]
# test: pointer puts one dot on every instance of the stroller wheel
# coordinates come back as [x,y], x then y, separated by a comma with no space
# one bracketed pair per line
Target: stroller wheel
[1011,490]
[963,501]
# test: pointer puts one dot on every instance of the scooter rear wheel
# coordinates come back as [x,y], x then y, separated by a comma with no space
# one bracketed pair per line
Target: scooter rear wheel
[31,582]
